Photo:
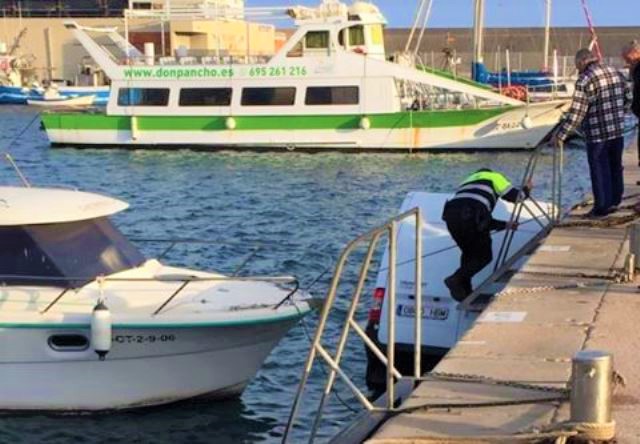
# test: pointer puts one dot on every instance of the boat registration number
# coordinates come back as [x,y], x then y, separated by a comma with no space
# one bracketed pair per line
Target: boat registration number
[142,339]
[428,312]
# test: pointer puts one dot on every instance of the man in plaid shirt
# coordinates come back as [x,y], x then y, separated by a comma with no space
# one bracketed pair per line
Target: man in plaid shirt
[600,101]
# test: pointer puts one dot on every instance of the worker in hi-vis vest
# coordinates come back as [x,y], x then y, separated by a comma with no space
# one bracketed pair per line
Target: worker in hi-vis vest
[469,220]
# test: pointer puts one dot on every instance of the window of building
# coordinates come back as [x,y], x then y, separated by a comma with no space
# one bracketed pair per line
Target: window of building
[205,97]
[268,96]
[356,35]
[143,97]
[317,40]
[332,95]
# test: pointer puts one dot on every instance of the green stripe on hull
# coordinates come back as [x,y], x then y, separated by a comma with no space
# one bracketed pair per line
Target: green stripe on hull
[422,119]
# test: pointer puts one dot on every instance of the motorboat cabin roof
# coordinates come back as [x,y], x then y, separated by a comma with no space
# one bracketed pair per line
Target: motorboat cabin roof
[35,206]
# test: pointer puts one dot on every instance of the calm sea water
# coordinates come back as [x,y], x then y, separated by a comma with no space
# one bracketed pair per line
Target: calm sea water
[304,208]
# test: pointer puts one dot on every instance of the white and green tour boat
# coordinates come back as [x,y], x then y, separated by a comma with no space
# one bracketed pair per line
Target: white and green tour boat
[331,86]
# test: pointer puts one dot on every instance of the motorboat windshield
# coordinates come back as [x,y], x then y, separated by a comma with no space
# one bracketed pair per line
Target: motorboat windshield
[64,255]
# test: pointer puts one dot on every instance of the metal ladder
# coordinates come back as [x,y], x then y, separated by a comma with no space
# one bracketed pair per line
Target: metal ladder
[319,351]
[333,361]
[504,261]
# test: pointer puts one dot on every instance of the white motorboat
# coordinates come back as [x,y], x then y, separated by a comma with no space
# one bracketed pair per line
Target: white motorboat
[62,101]
[88,323]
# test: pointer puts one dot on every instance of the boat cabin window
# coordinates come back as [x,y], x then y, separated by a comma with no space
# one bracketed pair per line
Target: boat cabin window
[268,96]
[143,97]
[332,95]
[205,97]
[296,50]
[66,255]
[356,36]
[341,40]
[316,40]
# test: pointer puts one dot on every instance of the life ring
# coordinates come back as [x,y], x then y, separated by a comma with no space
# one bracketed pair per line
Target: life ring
[517,92]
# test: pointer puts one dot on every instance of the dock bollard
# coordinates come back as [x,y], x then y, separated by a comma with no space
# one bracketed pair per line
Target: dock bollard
[634,241]
[591,392]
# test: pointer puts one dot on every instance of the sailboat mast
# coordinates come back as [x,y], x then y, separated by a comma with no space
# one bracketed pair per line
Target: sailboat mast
[547,35]
[478,31]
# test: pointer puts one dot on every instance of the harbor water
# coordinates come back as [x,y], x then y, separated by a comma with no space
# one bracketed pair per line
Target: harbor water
[302,209]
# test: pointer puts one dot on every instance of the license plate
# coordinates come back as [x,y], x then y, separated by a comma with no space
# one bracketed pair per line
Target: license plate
[428,312]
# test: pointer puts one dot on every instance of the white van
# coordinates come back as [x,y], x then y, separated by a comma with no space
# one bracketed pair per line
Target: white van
[443,323]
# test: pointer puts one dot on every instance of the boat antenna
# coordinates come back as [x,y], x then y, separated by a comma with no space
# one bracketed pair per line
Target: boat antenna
[15,167]
[595,43]
[8,156]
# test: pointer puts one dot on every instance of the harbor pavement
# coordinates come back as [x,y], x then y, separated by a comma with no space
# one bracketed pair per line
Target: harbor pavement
[569,295]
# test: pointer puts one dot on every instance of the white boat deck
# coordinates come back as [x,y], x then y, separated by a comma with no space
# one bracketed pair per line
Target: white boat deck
[135,295]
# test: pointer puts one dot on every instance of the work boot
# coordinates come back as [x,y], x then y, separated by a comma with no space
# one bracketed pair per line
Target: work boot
[456,288]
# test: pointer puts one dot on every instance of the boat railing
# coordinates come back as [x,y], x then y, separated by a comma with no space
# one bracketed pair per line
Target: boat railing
[209,59]
[172,243]
[183,279]
[333,360]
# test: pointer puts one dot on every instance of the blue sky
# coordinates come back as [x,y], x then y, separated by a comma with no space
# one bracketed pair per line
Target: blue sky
[458,13]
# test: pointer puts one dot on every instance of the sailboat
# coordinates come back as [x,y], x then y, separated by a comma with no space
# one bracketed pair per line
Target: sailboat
[541,85]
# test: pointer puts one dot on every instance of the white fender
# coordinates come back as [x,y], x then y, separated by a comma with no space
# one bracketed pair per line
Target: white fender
[230,123]
[365,123]
[101,330]
[527,123]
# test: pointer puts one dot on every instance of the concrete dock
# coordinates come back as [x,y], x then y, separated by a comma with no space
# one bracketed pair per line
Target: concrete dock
[569,296]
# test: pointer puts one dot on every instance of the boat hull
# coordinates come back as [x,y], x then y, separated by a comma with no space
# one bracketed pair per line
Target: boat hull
[514,128]
[16,95]
[146,366]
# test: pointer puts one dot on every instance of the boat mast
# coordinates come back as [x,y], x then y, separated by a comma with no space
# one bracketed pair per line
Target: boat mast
[547,35]
[478,37]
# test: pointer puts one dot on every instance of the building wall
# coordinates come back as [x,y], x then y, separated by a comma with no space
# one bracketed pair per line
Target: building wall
[230,37]
[525,44]
[66,53]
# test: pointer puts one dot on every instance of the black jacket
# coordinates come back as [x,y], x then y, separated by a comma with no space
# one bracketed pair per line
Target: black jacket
[635,77]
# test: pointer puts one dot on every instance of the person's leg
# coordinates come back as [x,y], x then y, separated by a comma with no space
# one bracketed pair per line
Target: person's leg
[481,253]
[638,141]
[615,150]
[458,282]
[600,181]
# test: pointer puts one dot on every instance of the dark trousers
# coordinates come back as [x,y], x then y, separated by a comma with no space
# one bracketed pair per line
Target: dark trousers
[638,144]
[468,224]
[605,167]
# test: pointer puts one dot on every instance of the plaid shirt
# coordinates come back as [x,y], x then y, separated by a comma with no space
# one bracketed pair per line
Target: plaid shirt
[600,101]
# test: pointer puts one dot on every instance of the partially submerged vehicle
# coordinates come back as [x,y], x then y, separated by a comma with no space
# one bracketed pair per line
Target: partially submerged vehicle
[88,323]
[445,320]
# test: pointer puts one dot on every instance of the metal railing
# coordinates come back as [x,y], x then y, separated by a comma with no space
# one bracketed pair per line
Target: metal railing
[183,280]
[505,259]
[387,358]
